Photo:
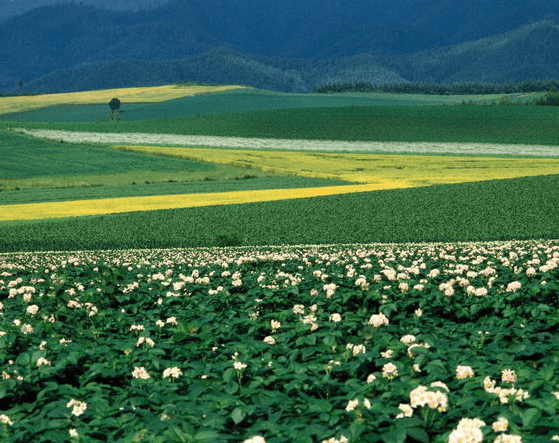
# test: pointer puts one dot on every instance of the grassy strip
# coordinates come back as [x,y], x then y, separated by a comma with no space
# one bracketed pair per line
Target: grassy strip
[464,124]
[27,162]
[369,342]
[207,185]
[26,157]
[150,94]
[520,208]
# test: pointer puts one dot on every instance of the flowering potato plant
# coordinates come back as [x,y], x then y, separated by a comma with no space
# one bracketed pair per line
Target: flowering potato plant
[355,343]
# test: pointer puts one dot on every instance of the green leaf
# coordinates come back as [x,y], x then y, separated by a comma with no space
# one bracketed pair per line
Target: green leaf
[23,359]
[229,374]
[208,436]
[530,416]
[398,435]
[238,415]
[418,434]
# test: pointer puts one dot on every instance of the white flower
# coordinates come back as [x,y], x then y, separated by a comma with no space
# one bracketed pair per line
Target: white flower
[418,312]
[356,349]
[335,317]
[508,438]
[513,286]
[407,411]
[6,420]
[43,361]
[500,425]
[352,404]
[330,289]
[389,370]
[73,433]
[239,366]
[464,372]
[342,439]
[146,340]
[78,407]
[407,339]
[140,372]
[269,340]
[421,396]
[173,372]
[468,430]
[32,309]
[275,325]
[377,320]
[371,378]
[255,439]
[508,375]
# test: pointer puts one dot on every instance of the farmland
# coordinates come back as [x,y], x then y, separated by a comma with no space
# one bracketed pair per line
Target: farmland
[533,125]
[426,310]
[135,95]
[386,343]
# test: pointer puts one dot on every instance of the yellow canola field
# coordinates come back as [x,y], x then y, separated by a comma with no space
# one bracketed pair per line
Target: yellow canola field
[386,170]
[150,94]
[76,208]
[371,172]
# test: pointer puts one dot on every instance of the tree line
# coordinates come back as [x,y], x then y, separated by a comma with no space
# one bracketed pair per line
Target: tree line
[472,88]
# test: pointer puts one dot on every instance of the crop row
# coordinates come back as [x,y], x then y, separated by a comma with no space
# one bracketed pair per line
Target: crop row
[466,124]
[520,208]
[386,343]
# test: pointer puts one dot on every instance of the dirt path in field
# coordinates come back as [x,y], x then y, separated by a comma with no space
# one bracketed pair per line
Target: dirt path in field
[285,144]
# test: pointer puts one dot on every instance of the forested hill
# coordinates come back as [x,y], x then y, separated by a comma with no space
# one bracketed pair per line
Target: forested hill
[279,44]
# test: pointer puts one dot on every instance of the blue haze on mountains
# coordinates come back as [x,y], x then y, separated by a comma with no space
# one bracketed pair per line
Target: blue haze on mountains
[40,37]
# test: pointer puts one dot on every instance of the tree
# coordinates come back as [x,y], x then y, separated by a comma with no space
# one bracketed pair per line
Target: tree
[114,104]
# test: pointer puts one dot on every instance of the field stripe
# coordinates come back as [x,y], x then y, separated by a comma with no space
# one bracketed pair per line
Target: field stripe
[132,138]
[77,208]
[408,170]
[149,94]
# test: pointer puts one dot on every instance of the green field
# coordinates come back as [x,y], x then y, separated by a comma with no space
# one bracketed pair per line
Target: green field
[464,124]
[527,208]
[375,343]
[36,167]
[239,101]
[34,171]
[310,332]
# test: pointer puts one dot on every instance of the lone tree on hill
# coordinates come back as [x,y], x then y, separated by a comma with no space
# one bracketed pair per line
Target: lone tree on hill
[114,104]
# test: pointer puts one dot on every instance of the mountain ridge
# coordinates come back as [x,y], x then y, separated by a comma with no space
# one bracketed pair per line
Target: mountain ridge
[66,47]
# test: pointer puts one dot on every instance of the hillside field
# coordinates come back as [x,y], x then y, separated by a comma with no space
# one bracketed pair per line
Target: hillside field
[216,294]
[97,175]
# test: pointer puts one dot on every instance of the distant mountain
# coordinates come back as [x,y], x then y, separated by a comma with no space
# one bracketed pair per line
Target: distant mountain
[526,53]
[281,44]
[18,7]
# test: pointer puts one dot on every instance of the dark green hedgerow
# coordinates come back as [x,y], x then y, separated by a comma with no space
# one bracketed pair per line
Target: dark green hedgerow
[520,208]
